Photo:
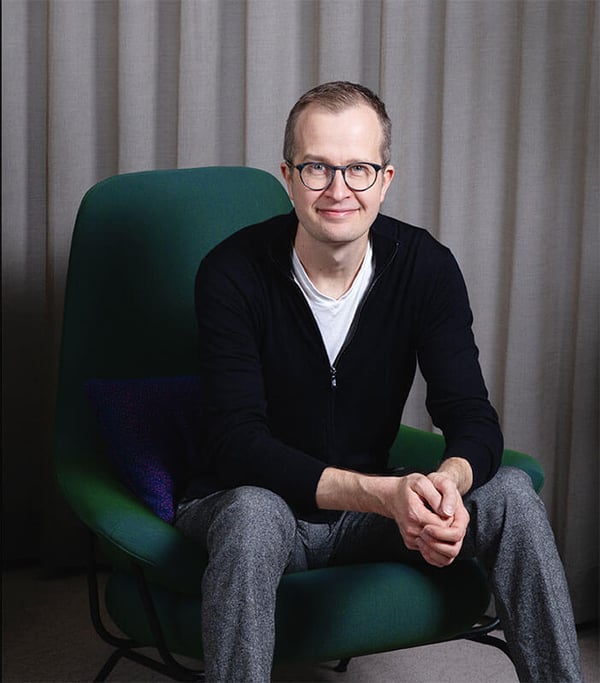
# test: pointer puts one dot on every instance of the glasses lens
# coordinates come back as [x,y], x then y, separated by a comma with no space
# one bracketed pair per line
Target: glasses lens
[316,176]
[359,177]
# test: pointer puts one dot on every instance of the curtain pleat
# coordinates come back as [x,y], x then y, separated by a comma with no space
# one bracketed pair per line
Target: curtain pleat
[199,84]
[495,114]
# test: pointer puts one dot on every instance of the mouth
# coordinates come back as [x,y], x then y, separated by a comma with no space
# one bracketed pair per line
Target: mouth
[336,213]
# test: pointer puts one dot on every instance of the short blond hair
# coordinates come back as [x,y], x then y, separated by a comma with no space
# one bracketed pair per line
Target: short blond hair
[336,96]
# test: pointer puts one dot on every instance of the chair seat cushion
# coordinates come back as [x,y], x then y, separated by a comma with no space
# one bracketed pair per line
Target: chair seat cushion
[331,613]
[149,427]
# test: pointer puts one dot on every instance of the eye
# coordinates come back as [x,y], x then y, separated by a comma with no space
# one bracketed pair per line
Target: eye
[316,169]
[358,170]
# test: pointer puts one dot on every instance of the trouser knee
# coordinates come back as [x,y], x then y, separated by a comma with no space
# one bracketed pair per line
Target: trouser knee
[509,492]
[252,522]
[507,507]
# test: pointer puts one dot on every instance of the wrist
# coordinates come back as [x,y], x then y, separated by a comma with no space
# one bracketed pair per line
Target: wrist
[459,471]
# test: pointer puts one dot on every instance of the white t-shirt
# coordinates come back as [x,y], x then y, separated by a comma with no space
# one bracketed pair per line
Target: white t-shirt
[334,316]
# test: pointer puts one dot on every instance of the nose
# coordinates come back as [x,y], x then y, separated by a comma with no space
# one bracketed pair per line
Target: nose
[338,188]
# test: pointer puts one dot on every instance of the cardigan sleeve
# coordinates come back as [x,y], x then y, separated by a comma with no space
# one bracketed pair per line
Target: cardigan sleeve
[237,440]
[457,398]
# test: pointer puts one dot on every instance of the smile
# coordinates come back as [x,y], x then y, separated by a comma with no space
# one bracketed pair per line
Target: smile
[336,213]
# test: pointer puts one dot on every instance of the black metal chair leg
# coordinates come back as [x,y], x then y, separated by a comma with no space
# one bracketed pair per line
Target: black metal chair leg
[482,634]
[171,666]
[126,647]
[342,665]
[94,603]
[494,641]
[109,665]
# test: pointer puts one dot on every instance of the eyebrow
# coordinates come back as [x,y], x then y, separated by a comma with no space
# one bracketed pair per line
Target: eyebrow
[322,159]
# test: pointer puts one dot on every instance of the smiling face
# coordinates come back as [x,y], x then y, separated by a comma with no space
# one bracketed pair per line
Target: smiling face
[337,215]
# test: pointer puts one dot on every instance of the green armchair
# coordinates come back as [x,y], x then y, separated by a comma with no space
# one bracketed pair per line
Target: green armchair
[129,316]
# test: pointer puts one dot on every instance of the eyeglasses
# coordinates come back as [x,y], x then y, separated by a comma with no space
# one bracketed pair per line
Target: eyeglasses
[316,175]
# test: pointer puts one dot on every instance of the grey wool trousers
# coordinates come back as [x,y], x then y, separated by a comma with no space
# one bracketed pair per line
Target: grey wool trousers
[252,538]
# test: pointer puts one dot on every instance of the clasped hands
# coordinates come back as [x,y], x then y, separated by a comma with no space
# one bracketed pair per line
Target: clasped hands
[428,509]
[431,516]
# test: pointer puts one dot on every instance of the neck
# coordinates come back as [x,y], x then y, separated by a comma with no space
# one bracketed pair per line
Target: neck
[331,268]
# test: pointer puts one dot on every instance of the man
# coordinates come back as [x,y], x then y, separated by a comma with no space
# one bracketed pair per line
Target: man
[310,328]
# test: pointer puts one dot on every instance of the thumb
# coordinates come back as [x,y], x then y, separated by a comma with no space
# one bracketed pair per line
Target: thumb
[449,497]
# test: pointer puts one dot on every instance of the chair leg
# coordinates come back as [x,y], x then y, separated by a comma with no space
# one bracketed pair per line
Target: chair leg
[167,670]
[481,634]
[126,647]
[171,666]
[109,665]
[342,665]
[94,604]
[494,641]
[478,634]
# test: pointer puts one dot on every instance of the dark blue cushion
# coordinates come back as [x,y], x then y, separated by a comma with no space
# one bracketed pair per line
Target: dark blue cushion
[150,426]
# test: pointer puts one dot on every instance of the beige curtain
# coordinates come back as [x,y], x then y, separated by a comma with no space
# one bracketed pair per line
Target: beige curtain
[495,112]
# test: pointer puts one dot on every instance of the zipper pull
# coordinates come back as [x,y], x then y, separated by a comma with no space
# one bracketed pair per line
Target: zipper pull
[333,372]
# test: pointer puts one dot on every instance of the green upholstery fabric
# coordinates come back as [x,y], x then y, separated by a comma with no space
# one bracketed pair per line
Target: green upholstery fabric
[129,313]
[332,613]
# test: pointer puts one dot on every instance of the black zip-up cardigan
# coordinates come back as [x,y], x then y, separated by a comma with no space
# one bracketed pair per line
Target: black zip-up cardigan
[276,413]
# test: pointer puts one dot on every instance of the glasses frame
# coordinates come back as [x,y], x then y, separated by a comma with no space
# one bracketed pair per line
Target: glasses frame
[333,169]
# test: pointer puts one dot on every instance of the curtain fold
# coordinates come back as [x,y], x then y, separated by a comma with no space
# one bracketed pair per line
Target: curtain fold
[495,114]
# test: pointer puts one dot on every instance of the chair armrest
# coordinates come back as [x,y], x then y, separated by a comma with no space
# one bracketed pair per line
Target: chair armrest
[423,451]
[416,448]
[127,529]
[526,463]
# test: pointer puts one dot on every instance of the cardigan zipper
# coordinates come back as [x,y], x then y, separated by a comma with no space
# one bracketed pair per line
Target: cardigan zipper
[347,342]
[333,376]
[333,382]
[354,324]
[355,320]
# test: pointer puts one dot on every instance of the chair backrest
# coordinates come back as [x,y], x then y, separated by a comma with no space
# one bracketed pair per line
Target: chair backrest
[129,307]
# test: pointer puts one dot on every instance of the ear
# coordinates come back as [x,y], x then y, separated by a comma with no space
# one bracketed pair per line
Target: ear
[387,175]
[287,172]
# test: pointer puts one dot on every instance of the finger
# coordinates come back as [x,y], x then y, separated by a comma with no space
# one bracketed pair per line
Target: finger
[443,534]
[448,550]
[432,555]
[450,498]
[411,541]
[461,516]
[449,495]
[424,488]
[442,552]
[446,540]
[412,531]
[419,517]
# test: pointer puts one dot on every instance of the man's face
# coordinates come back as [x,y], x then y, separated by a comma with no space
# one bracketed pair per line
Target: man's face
[337,215]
